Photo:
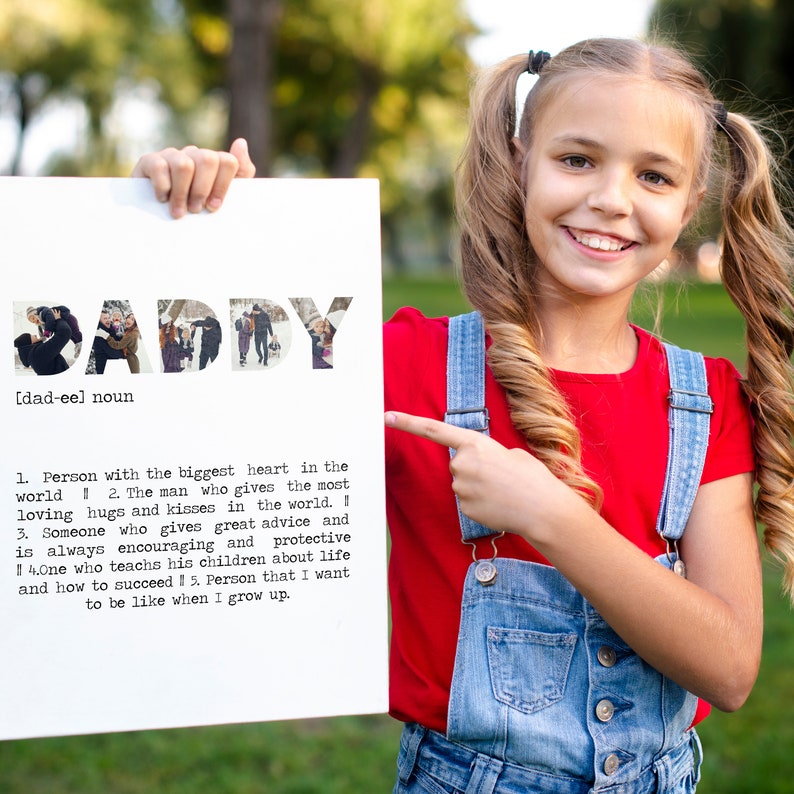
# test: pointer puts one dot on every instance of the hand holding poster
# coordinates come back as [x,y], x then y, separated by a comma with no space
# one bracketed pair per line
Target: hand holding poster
[193,493]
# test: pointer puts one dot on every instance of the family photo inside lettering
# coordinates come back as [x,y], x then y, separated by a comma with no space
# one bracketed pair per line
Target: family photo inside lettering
[188,336]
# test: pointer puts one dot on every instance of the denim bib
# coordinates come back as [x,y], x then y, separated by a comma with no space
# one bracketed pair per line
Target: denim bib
[545,696]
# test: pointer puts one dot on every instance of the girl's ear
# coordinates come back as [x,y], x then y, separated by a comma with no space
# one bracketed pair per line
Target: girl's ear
[693,206]
[519,152]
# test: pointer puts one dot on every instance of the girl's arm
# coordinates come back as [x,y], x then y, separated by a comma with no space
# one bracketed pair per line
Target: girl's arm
[703,632]
[193,179]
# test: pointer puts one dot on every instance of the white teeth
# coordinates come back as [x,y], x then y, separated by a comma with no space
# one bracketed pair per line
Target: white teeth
[598,243]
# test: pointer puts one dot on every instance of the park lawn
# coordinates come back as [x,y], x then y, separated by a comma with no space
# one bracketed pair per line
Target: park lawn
[749,751]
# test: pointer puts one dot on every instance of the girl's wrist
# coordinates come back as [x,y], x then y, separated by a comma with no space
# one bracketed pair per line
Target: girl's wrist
[554,515]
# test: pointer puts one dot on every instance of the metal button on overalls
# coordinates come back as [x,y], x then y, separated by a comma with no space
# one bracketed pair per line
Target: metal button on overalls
[611,764]
[607,656]
[605,710]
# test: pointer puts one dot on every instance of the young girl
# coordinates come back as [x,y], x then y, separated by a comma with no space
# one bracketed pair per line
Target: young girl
[568,600]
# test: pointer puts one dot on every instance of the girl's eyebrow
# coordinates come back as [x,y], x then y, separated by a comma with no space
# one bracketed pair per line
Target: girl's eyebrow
[577,140]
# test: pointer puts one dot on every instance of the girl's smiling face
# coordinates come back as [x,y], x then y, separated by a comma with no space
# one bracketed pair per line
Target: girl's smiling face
[608,180]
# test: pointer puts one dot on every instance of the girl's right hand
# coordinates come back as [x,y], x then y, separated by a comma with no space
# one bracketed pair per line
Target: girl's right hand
[193,179]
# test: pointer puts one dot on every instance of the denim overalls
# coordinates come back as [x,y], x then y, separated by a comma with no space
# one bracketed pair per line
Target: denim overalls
[545,696]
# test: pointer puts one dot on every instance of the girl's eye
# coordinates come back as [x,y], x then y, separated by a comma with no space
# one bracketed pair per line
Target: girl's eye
[576,161]
[655,178]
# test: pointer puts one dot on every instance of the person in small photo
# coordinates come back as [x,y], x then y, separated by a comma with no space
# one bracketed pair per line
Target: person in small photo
[44,319]
[44,356]
[102,351]
[186,348]
[262,328]
[243,326]
[169,345]
[322,333]
[274,347]
[32,314]
[211,336]
[128,343]
[117,322]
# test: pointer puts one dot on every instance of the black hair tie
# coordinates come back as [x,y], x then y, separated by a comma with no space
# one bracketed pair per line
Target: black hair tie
[536,61]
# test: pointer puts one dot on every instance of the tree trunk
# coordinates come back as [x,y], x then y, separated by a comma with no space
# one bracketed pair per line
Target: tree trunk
[23,118]
[354,145]
[254,26]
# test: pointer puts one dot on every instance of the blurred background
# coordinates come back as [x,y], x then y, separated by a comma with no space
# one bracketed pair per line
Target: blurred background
[371,88]
[332,88]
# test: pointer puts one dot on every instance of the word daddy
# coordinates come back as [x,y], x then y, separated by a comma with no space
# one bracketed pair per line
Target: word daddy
[304,306]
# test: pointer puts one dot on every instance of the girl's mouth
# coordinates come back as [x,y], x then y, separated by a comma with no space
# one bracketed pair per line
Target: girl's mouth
[599,242]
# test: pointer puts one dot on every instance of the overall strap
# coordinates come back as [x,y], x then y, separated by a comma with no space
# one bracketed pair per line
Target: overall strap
[689,416]
[466,391]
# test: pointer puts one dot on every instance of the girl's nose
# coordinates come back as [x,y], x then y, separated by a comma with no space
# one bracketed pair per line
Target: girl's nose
[611,194]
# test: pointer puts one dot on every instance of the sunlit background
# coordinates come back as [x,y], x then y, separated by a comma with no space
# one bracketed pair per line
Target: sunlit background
[337,88]
[505,27]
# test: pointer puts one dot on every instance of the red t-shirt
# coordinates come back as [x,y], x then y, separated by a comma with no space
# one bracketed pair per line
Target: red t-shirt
[623,423]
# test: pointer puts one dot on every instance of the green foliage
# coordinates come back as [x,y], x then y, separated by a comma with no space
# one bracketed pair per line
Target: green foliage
[91,50]
[744,46]
[373,88]
[377,89]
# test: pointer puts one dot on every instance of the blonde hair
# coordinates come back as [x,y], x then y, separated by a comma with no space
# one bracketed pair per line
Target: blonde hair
[499,265]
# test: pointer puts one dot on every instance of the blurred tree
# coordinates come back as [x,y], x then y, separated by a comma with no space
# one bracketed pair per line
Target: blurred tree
[236,45]
[378,88]
[89,50]
[743,44]
[354,73]
[254,25]
[745,47]
[348,88]
[319,87]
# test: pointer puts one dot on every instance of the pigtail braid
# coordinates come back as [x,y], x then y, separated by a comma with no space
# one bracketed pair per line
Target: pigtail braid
[756,260]
[498,269]
[490,202]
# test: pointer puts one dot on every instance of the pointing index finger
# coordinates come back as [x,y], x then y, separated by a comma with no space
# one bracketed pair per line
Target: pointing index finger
[431,429]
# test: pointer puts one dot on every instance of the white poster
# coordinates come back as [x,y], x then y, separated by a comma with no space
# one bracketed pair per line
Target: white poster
[192,464]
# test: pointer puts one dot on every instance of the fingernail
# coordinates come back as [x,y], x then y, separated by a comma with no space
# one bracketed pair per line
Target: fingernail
[214,204]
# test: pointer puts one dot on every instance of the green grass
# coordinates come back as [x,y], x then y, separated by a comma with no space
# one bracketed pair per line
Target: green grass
[699,316]
[434,295]
[748,752]
[344,755]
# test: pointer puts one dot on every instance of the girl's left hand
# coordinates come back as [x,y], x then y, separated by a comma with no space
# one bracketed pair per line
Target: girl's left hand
[501,488]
